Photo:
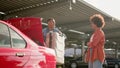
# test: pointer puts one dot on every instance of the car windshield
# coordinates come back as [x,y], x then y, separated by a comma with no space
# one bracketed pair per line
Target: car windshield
[110,53]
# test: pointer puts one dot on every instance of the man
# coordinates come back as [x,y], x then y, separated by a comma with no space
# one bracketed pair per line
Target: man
[55,39]
[50,29]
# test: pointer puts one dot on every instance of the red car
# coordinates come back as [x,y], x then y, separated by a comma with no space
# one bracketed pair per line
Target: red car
[17,50]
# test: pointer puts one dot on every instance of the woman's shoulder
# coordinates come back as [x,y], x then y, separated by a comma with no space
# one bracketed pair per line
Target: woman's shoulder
[100,32]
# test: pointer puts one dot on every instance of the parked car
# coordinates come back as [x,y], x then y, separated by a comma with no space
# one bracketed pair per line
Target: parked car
[71,62]
[113,62]
[110,58]
[17,50]
[77,62]
[73,59]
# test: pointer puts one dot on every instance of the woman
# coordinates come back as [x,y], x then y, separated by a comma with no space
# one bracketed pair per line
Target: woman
[95,55]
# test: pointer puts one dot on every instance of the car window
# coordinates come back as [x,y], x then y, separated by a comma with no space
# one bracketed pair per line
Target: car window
[4,36]
[70,52]
[17,40]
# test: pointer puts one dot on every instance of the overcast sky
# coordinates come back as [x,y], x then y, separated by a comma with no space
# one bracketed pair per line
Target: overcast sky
[111,7]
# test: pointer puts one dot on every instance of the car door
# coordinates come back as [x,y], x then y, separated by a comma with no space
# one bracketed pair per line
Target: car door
[13,48]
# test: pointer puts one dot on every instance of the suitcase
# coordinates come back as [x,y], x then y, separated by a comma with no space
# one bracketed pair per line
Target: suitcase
[58,44]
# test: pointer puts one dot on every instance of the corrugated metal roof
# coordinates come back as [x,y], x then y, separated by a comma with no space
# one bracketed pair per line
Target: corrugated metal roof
[76,19]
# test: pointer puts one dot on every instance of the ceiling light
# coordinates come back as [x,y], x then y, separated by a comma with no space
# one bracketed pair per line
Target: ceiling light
[41,4]
[27,7]
[16,16]
[30,6]
[17,10]
[9,11]
[45,3]
[34,6]
[56,0]
[37,5]
[114,43]
[2,13]
[48,2]
[74,31]
[70,8]
[21,8]
[52,1]
[107,40]
[88,34]
[74,1]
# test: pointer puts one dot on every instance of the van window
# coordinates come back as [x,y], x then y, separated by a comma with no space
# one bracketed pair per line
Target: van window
[4,36]
[17,40]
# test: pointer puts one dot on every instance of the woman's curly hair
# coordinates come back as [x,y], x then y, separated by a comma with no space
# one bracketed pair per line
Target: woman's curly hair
[98,20]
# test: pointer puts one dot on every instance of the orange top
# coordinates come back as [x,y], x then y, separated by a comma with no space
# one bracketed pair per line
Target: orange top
[96,42]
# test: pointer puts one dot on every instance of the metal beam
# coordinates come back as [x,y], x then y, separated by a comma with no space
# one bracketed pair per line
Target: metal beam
[44,7]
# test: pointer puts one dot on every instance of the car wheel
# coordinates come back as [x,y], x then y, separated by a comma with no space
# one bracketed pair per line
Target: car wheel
[73,65]
[105,67]
[60,66]
[116,66]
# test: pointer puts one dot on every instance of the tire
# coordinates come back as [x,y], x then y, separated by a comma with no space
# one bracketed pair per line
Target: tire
[105,66]
[73,65]
[116,66]
[60,66]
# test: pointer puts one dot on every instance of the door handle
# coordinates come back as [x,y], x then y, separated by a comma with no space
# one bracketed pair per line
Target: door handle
[20,54]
